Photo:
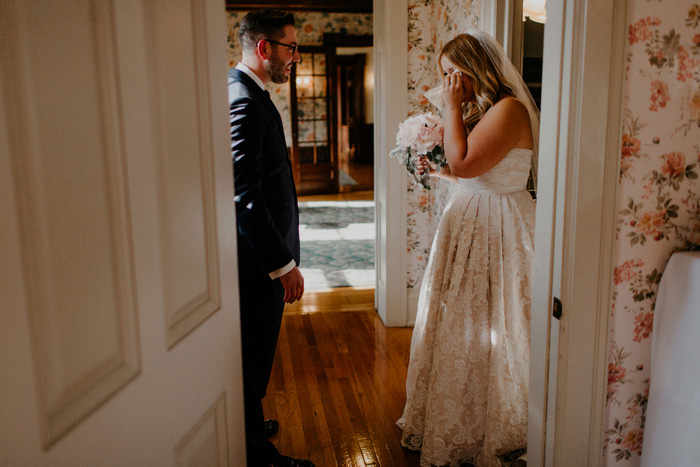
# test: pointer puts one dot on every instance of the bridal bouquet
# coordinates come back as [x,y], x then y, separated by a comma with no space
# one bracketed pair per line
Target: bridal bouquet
[420,135]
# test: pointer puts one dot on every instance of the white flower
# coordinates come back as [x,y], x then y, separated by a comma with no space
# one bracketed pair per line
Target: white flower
[420,135]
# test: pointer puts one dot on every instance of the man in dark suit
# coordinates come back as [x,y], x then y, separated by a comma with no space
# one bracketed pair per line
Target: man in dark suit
[267,215]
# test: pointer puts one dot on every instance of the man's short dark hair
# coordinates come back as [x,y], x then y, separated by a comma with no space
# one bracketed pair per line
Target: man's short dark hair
[263,24]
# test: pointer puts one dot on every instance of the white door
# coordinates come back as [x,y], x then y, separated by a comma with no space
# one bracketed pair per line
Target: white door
[119,331]
[578,172]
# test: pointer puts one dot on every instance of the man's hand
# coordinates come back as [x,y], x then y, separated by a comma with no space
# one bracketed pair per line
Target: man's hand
[293,283]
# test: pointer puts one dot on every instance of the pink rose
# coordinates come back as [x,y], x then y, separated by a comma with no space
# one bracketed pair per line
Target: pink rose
[643,324]
[651,221]
[640,31]
[633,440]
[659,95]
[630,145]
[421,133]
[624,272]
[686,64]
[674,164]
[615,373]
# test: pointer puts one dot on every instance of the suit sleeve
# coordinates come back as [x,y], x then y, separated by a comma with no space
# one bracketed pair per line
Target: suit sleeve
[255,224]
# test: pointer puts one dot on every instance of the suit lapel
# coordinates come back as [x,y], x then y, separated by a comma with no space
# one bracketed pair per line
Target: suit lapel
[262,95]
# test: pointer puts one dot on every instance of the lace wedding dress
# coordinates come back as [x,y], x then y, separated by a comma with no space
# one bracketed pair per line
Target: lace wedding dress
[468,375]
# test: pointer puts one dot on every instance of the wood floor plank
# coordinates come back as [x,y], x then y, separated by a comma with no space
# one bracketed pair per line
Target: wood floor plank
[338,387]
[285,400]
[333,300]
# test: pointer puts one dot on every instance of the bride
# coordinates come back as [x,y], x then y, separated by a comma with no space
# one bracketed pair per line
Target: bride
[468,373]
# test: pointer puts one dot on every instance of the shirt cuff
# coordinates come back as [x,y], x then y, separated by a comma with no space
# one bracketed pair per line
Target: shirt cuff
[282,271]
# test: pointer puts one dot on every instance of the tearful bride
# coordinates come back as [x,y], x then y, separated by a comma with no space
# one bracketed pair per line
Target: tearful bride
[467,379]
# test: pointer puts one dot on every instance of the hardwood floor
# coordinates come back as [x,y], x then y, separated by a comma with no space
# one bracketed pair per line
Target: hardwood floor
[336,299]
[363,195]
[338,381]
[338,387]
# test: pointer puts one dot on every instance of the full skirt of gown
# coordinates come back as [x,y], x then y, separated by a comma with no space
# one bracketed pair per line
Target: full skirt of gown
[467,379]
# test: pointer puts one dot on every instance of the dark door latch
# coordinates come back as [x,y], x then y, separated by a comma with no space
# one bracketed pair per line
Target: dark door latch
[556,308]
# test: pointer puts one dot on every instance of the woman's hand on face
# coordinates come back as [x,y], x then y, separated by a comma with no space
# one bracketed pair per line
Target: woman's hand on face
[453,89]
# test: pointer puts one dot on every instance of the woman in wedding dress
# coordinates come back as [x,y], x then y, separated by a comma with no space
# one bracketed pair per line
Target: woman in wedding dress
[468,374]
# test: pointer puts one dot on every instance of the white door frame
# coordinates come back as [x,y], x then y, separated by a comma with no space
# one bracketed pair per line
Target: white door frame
[390,109]
[501,19]
[578,178]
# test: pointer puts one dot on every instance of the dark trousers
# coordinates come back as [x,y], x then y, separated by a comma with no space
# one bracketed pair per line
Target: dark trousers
[261,316]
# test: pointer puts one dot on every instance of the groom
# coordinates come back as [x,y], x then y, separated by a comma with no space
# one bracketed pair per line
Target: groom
[267,215]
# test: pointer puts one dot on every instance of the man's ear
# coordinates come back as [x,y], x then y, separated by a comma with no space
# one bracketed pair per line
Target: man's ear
[263,49]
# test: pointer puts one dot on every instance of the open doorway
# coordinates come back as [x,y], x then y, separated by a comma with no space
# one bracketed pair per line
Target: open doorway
[331,116]
[332,162]
[354,113]
[336,209]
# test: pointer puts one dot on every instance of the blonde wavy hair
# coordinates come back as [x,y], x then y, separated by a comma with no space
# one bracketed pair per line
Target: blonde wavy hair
[468,56]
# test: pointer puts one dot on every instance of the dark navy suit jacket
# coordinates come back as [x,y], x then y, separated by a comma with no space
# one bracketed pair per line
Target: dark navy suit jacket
[265,195]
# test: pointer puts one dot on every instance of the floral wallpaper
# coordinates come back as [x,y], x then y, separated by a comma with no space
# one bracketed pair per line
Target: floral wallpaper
[431,24]
[659,200]
[310,28]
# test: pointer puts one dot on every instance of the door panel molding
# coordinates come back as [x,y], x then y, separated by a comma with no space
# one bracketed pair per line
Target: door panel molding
[73,207]
[206,443]
[190,256]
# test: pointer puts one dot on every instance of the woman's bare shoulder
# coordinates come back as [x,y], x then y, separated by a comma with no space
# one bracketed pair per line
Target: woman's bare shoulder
[511,113]
[510,104]
[508,110]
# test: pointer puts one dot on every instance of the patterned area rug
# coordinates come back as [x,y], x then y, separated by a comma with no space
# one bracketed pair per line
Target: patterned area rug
[337,243]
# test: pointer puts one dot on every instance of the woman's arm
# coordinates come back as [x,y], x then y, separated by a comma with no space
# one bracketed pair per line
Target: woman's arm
[503,127]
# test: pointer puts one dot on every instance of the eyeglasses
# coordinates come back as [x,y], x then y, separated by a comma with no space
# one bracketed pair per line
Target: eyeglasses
[294,48]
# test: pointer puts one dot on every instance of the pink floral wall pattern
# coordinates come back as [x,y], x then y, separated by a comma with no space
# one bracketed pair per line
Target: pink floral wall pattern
[658,200]
[431,24]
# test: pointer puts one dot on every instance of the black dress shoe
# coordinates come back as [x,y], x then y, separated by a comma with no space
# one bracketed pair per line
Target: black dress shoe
[270,428]
[290,462]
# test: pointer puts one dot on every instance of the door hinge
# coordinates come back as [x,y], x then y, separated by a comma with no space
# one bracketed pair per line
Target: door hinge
[556,308]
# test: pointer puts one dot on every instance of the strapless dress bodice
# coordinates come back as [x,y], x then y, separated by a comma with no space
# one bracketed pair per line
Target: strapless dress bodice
[510,175]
